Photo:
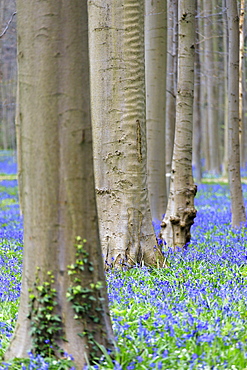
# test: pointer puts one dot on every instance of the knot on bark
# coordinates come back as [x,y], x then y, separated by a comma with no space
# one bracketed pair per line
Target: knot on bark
[175,220]
[103,191]
[193,189]
[182,224]
[184,16]
[192,213]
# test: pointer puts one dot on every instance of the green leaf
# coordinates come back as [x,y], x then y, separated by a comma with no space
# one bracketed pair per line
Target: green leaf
[40,288]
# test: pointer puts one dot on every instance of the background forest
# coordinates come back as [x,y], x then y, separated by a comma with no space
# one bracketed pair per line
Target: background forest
[211,75]
[170,310]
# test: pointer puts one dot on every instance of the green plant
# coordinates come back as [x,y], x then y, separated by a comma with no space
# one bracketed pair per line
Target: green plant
[85,300]
[38,362]
[45,323]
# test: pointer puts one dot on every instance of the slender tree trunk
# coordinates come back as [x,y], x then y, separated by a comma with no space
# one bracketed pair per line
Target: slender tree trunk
[197,128]
[3,87]
[8,72]
[244,124]
[155,57]
[58,185]
[241,100]
[1,75]
[238,210]
[203,93]
[217,81]
[210,80]
[171,84]
[119,132]
[226,109]
[19,148]
[175,228]
[3,116]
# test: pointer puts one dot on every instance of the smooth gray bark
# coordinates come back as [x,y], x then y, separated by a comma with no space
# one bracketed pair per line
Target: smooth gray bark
[197,125]
[155,68]
[175,228]
[213,134]
[171,84]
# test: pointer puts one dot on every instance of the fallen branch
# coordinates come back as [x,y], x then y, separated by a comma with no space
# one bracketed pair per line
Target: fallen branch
[8,24]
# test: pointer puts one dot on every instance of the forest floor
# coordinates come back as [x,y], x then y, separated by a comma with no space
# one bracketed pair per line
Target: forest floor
[8,177]
[192,315]
[220,180]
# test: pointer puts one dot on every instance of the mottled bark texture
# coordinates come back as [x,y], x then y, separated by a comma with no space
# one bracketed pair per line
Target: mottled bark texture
[155,58]
[237,202]
[119,132]
[175,228]
[57,180]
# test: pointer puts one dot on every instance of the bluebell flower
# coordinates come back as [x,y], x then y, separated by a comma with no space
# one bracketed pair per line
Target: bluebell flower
[117,366]
[139,358]
[206,337]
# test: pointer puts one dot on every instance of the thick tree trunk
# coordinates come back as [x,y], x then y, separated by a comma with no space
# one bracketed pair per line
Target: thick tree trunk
[175,228]
[237,202]
[155,57]
[58,184]
[119,132]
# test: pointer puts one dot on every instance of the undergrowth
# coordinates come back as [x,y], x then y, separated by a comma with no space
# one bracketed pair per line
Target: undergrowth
[192,315]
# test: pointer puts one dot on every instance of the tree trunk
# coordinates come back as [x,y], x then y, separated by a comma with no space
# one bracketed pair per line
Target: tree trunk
[241,100]
[3,84]
[155,57]
[197,129]
[119,132]
[8,73]
[19,149]
[237,202]
[244,123]
[1,79]
[58,187]
[210,81]
[217,79]
[175,228]
[204,103]
[226,109]
[171,84]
